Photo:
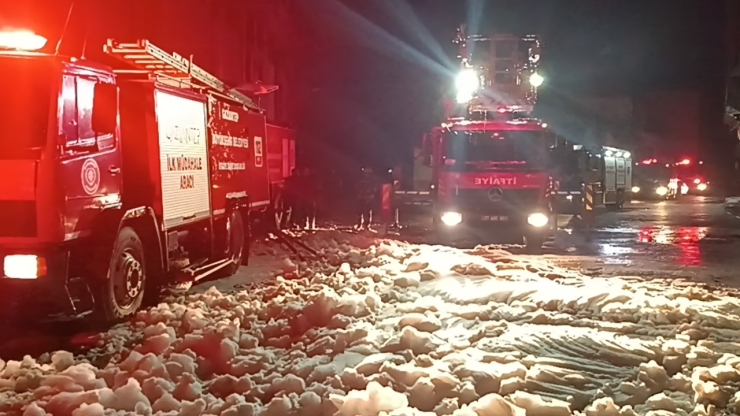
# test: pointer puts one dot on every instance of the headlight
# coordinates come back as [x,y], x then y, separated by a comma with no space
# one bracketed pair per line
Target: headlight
[24,266]
[701,187]
[635,189]
[537,219]
[662,191]
[451,218]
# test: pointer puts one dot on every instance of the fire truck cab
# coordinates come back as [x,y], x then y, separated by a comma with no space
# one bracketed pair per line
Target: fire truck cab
[492,175]
[118,183]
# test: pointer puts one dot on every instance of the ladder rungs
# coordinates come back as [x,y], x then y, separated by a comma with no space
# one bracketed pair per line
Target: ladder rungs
[149,58]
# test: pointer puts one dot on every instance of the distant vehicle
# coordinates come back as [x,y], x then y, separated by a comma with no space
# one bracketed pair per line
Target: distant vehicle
[607,169]
[654,179]
[692,175]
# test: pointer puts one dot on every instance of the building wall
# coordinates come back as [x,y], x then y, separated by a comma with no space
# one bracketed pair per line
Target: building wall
[239,41]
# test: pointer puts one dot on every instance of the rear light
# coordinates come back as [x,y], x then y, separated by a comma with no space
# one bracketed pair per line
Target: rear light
[24,266]
[449,162]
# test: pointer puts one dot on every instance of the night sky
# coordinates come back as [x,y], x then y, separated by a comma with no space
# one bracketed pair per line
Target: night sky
[377,69]
[372,72]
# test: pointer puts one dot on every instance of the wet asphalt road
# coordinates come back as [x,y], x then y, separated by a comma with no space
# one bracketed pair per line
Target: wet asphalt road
[693,239]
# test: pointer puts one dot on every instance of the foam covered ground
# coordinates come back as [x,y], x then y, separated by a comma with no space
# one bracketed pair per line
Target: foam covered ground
[385,328]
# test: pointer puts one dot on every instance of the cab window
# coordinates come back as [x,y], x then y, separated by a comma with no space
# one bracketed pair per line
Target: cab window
[78,96]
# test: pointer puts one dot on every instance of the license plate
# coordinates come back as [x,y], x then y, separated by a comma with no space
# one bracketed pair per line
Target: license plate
[495,218]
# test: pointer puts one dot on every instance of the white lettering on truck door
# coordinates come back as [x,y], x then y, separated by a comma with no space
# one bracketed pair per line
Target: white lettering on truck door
[183,154]
[258,152]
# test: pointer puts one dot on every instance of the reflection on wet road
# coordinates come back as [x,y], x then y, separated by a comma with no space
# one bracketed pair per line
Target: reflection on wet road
[693,238]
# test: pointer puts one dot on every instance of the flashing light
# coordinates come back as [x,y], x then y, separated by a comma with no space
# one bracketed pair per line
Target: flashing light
[684,189]
[536,80]
[618,154]
[701,162]
[608,153]
[701,187]
[502,110]
[538,220]
[544,125]
[451,219]
[635,189]
[22,40]
[466,83]
[685,162]
[647,161]
[662,191]
[627,155]
[697,181]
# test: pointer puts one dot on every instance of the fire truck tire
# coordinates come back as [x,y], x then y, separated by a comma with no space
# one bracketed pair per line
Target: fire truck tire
[121,294]
[236,235]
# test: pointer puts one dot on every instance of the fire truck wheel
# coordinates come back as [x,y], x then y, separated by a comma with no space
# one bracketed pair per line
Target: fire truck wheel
[236,242]
[121,294]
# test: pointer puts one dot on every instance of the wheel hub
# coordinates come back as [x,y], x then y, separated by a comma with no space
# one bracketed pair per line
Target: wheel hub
[132,273]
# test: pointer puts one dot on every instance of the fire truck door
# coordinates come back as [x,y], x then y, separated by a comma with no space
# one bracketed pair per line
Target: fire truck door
[91,172]
[621,174]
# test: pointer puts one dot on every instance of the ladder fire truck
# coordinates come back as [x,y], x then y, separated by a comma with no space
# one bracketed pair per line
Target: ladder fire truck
[129,176]
[488,162]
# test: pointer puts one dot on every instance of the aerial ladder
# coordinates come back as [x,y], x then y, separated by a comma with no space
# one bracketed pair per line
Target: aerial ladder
[144,58]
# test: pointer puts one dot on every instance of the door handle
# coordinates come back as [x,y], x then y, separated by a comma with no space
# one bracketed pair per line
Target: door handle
[114,170]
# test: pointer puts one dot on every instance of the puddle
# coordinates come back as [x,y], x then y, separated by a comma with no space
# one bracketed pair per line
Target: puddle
[686,239]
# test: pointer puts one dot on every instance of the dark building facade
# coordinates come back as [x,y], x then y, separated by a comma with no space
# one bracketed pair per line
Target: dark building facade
[247,43]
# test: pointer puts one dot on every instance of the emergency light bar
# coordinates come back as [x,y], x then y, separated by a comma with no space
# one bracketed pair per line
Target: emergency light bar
[21,40]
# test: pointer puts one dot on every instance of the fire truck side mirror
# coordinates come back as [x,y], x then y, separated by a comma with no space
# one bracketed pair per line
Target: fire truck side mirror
[105,108]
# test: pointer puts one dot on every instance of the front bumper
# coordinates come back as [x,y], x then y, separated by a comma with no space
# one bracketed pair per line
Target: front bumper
[38,298]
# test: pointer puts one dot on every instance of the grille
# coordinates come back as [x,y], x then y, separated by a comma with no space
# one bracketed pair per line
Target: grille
[512,200]
[18,219]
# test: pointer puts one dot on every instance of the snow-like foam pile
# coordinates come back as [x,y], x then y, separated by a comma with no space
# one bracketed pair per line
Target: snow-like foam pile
[381,328]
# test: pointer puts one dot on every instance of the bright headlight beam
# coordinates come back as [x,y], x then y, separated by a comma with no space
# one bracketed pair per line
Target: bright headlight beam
[536,80]
[451,219]
[466,84]
[537,219]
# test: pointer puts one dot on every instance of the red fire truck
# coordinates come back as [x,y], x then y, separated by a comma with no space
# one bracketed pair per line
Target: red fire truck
[492,174]
[489,160]
[126,178]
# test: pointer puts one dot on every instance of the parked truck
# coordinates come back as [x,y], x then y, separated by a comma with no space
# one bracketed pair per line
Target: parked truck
[123,178]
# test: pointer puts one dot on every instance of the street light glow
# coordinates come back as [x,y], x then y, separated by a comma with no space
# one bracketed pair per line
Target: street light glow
[536,80]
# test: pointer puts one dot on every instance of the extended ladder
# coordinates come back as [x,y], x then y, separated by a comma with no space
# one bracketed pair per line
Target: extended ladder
[149,59]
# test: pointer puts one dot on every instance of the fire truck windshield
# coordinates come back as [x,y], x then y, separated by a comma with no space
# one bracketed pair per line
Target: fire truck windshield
[26,94]
[494,150]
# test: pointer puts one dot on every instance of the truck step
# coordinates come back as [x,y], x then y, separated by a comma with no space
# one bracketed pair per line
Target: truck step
[80,296]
